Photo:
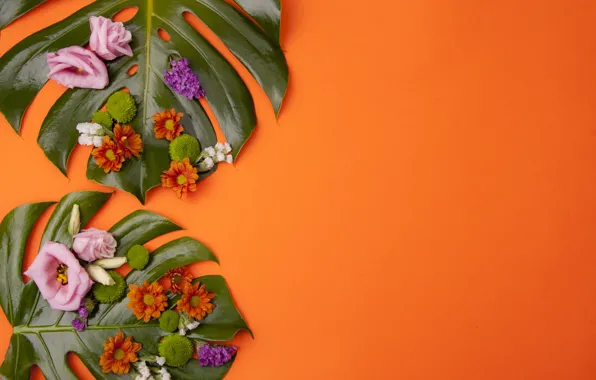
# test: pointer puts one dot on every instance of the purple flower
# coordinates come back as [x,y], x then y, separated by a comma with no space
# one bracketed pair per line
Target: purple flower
[78,324]
[83,312]
[183,81]
[215,356]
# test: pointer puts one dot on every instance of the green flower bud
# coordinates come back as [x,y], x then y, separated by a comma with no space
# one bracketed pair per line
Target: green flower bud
[168,321]
[138,257]
[103,119]
[185,146]
[176,349]
[121,106]
[110,293]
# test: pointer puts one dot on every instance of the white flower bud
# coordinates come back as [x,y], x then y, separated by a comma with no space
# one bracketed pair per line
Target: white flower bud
[229,159]
[97,141]
[165,375]
[96,129]
[84,128]
[160,360]
[219,147]
[98,274]
[227,148]
[210,151]
[206,165]
[113,263]
[220,157]
[85,139]
[193,325]
[74,225]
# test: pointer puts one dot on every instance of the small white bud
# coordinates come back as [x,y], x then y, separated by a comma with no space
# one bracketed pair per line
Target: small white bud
[85,139]
[74,225]
[210,151]
[96,129]
[206,164]
[193,325]
[165,375]
[160,360]
[229,159]
[98,274]
[182,331]
[84,128]
[113,263]
[220,157]
[219,147]
[227,148]
[98,141]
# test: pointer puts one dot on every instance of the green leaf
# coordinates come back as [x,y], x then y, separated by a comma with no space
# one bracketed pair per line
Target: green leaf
[11,10]
[266,12]
[43,337]
[14,230]
[19,358]
[57,228]
[139,228]
[24,72]
[226,320]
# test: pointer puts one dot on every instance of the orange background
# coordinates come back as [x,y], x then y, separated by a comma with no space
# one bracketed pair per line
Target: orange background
[423,209]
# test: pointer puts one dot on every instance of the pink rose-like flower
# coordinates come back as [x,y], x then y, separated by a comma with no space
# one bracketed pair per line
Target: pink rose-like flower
[77,67]
[94,244]
[44,271]
[109,39]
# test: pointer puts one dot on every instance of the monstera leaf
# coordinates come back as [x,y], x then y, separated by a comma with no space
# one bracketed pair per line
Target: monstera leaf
[43,337]
[253,40]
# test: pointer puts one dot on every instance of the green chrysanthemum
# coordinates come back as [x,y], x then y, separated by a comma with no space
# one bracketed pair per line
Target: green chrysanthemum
[185,146]
[176,349]
[138,257]
[121,106]
[168,321]
[113,293]
[103,119]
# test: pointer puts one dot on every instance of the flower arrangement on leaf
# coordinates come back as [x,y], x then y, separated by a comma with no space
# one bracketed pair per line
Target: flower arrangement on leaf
[76,272]
[78,67]
[94,55]
[185,152]
[149,320]
[110,133]
[113,144]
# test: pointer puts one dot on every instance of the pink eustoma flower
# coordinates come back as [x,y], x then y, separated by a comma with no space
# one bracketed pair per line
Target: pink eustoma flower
[44,271]
[94,244]
[77,67]
[109,40]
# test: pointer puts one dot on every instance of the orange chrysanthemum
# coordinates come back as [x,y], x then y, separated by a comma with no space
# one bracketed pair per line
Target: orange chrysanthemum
[195,301]
[181,176]
[147,301]
[118,353]
[167,124]
[109,156]
[128,141]
[178,278]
